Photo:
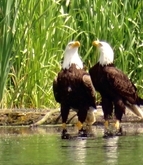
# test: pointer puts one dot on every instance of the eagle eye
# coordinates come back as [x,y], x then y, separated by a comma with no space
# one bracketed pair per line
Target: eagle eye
[70,44]
[100,44]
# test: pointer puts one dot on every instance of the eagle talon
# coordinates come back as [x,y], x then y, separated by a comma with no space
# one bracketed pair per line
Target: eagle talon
[119,132]
[65,135]
[107,134]
[82,133]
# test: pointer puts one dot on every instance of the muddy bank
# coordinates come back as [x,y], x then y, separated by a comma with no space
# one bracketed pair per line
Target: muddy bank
[11,117]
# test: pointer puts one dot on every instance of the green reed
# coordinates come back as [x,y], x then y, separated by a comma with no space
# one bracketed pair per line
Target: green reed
[33,50]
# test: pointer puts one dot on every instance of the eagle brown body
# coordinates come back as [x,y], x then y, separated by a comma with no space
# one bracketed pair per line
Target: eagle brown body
[115,89]
[73,89]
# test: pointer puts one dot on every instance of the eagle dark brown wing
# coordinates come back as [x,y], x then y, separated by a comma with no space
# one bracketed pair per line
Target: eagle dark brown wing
[88,84]
[56,90]
[121,84]
[89,88]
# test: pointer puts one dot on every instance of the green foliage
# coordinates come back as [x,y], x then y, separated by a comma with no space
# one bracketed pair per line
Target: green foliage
[8,14]
[34,33]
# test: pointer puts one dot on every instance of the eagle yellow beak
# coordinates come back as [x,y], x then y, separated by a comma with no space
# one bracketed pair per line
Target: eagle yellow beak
[76,44]
[96,43]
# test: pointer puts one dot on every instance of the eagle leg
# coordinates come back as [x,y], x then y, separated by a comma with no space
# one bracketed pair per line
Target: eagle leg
[119,132]
[81,130]
[119,111]
[107,107]
[81,123]
[117,125]
[64,114]
[107,131]
[65,135]
[118,128]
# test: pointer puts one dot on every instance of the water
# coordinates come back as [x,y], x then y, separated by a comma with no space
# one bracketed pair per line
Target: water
[43,146]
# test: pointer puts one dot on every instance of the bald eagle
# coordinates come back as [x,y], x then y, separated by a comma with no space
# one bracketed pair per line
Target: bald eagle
[117,91]
[73,89]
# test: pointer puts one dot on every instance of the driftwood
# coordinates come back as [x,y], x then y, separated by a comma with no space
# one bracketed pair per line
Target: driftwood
[41,121]
[48,114]
[129,117]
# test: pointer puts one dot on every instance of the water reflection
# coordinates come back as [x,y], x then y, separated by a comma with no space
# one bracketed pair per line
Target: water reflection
[77,151]
[76,148]
[111,150]
[43,146]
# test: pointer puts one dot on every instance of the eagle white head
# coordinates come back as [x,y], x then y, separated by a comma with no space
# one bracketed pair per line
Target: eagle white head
[71,56]
[106,52]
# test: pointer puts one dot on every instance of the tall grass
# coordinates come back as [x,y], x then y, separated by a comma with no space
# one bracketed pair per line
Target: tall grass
[8,14]
[43,28]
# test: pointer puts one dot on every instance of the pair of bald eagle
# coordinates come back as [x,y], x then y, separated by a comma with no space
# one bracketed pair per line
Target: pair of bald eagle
[75,88]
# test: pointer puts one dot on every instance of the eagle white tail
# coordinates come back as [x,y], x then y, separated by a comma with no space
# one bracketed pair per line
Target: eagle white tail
[135,109]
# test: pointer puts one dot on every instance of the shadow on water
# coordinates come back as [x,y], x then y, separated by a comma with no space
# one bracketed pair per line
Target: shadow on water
[43,146]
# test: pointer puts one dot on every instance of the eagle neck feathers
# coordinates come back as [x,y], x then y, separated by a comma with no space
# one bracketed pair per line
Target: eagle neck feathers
[72,58]
[106,54]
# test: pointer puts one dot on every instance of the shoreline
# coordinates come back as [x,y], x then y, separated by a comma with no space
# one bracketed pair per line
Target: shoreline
[19,117]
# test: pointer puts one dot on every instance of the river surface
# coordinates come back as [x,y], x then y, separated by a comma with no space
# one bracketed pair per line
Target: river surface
[44,146]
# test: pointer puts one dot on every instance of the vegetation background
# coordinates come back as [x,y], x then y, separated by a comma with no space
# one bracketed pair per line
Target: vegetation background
[33,36]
